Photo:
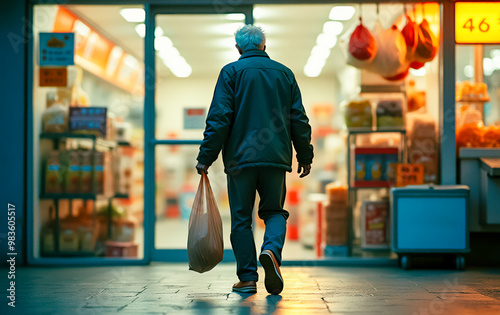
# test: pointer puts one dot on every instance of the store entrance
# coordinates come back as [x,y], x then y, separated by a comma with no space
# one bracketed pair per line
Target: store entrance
[187,49]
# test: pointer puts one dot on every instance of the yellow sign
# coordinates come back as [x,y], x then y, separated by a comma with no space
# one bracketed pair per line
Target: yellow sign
[477,22]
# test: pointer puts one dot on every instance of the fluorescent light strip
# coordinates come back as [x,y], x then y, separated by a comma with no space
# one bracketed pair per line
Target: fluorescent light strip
[324,43]
[342,13]
[133,14]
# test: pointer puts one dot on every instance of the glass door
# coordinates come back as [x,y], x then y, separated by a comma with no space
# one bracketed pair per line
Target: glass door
[186,47]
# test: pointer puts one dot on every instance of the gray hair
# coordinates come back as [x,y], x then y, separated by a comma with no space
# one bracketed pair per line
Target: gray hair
[250,37]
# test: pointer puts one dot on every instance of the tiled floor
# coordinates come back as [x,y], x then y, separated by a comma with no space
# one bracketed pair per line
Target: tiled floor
[173,289]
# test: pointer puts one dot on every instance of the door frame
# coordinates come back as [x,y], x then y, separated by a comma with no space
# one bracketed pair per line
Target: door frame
[150,141]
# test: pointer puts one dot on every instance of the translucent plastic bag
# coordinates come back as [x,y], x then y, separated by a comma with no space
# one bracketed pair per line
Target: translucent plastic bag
[205,243]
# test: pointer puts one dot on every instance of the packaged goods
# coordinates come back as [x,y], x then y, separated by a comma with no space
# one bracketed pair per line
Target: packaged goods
[427,45]
[390,113]
[99,171]
[121,249]
[467,91]
[415,99]
[391,52]
[55,119]
[73,173]
[123,131]
[410,34]
[335,215]
[68,240]
[374,166]
[358,114]
[362,47]
[53,174]
[86,171]
[375,224]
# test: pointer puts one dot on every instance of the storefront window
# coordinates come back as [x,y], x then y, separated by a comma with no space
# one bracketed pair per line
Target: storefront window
[88,96]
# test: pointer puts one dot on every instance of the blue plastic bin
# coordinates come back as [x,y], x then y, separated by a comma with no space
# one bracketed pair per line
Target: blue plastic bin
[430,219]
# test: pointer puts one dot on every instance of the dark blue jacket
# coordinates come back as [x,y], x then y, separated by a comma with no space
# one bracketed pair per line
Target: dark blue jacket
[255,115]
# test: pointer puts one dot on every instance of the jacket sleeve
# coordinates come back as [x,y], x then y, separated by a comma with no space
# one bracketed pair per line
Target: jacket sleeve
[218,122]
[301,130]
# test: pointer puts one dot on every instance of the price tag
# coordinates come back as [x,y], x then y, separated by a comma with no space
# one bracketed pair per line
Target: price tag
[477,22]
[409,174]
[53,77]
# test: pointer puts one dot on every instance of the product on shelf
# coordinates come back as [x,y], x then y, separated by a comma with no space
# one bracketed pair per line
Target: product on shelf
[335,215]
[86,171]
[415,99]
[73,173]
[374,166]
[422,143]
[123,131]
[358,114]
[121,249]
[68,240]
[467,91]
[375,224]
[55,119]
[53,174]
[390,113]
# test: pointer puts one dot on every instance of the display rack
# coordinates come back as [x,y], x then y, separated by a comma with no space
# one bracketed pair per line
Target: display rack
[352,189]
[94,196]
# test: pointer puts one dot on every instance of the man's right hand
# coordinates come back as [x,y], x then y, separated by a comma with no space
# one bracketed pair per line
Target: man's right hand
[305,169]
[201,168]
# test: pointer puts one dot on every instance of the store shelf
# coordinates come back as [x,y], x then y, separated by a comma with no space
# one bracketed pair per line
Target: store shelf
[121,196]
[124,144]
[370,184]
[72,196]
[69,254]
[365,131]
[66,135]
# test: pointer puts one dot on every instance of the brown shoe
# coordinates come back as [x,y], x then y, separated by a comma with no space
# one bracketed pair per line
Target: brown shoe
[273,279]
[245,287]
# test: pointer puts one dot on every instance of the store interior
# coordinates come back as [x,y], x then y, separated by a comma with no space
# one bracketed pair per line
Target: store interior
[314,42]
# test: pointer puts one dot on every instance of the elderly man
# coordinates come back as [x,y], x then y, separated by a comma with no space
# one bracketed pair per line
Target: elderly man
[255,116]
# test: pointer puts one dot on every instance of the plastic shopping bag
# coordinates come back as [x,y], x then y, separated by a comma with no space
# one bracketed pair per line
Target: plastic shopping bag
[205,243]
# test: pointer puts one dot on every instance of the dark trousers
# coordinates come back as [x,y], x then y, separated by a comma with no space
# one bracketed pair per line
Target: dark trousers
[269,182]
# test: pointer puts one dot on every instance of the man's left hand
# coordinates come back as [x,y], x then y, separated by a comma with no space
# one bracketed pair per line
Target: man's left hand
[201,168]
[305,169]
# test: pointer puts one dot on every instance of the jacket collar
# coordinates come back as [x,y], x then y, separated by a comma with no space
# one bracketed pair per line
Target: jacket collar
[254,53]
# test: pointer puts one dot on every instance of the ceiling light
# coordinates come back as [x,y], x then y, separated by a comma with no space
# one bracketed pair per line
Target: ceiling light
[320,52]
[495,53]
[418,72]
[327,41]
[488,66]
[311,71]
[342,13]
[315,62]
[333,28]
[141,30]
[133,14]
[496,62]
[159,31]
[235,16]
[162,43]
[469,71]
[169,55]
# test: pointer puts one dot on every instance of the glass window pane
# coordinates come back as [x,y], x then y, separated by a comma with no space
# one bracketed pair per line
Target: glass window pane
[88,133]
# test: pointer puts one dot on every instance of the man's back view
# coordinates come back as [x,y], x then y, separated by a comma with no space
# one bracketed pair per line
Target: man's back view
[255,116]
